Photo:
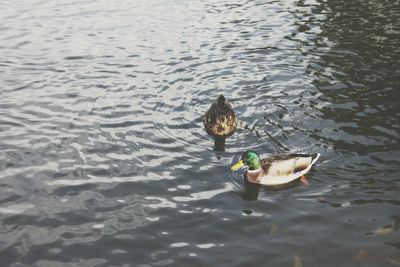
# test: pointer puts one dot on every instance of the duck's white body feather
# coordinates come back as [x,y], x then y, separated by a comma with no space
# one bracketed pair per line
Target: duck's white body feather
[282,171]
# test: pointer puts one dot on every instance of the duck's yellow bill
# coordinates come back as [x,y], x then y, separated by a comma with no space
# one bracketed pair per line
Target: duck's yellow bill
[238,165]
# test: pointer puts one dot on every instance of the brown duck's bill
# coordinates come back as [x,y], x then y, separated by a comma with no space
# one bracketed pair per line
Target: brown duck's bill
[238,165]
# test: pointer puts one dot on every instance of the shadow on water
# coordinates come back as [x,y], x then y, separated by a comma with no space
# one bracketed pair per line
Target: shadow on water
[219,143]
[250,191]
[359,72]
[356,69]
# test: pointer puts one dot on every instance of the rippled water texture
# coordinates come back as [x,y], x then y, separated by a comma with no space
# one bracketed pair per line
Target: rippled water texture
[104,160]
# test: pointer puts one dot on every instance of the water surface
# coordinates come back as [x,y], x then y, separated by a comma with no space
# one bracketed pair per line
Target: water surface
[104,160]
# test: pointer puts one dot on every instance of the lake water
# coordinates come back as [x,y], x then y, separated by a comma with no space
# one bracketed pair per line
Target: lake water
[104,160]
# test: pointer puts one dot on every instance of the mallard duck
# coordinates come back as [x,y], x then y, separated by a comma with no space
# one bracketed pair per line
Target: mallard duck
[220,120]
[275,169]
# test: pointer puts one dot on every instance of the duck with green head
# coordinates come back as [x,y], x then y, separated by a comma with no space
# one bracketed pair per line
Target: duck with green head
[276,169]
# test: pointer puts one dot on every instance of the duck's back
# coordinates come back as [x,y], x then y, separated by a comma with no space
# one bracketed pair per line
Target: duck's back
[220,120]
[284,165]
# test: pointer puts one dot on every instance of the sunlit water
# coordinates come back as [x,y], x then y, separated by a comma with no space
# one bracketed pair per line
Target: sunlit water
[104,160]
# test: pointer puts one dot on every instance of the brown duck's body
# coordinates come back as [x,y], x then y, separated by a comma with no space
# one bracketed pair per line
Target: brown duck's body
[220,120]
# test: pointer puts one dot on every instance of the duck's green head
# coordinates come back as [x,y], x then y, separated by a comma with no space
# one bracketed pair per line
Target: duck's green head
[250,159]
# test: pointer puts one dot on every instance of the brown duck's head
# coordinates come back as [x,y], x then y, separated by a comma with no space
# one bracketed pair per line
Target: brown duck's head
[221,100]
[222,103]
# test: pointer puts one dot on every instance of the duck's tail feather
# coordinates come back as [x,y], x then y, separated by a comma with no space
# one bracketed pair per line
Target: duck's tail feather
[315,157]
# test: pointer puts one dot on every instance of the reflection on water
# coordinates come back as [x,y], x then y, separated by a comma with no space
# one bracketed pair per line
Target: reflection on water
[104,159]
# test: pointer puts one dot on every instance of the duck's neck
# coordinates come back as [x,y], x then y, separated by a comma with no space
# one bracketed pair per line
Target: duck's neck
[253,175]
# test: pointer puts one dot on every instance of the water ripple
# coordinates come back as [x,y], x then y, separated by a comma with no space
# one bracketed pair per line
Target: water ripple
[103,149]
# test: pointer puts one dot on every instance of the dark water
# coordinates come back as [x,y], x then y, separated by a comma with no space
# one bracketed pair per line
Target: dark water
[104,160]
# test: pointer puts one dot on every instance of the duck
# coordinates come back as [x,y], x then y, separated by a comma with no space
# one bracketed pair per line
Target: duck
[277,169]
[220,121]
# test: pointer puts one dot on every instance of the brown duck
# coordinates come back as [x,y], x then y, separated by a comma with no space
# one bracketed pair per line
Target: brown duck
[220,120]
